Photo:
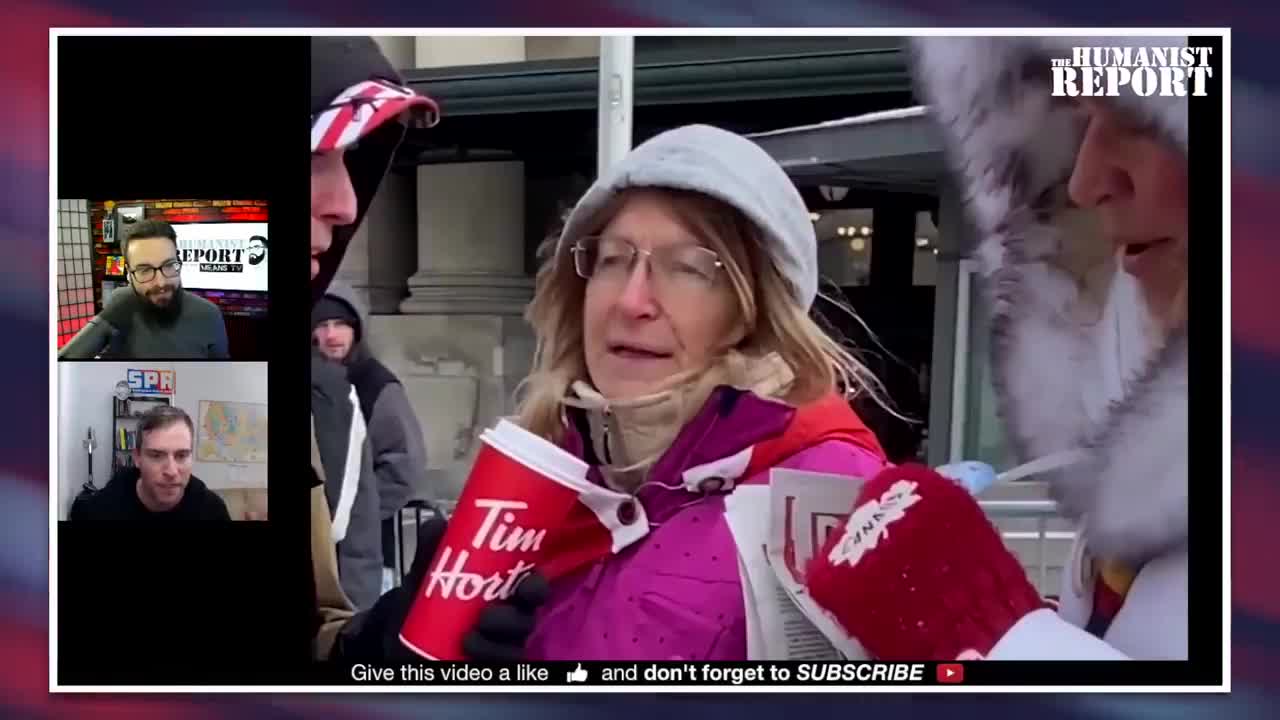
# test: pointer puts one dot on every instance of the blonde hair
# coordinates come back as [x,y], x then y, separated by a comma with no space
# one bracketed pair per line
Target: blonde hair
[772,320]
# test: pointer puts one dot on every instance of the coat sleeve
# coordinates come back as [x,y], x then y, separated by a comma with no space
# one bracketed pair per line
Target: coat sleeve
[400,456]
[1045,635]
[216,509]
[334,609]
[334,430]
[356,519]
[79,509]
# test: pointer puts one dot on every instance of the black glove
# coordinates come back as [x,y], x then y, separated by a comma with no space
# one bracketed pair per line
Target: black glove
[503,627]
[499,635]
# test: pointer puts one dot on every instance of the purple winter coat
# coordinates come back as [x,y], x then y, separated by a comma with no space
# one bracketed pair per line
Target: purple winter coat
[676,594]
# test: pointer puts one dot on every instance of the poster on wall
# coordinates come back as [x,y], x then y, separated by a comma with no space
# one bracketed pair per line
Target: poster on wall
[223,256]
[130,215]
[231,432]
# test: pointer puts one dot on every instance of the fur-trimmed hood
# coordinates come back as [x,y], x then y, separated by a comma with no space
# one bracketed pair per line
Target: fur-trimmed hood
[1075,356]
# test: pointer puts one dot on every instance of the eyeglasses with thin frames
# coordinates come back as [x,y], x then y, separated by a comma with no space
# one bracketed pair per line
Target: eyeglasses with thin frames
[679,269]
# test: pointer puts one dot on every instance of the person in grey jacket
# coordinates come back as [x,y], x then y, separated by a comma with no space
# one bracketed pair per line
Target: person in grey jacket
[350,486]
[394,434]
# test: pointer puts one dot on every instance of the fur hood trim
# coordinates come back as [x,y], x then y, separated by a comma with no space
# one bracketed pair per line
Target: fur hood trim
[1075,358]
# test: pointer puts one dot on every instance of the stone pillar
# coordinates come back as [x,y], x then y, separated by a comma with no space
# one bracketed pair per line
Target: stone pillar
[470,240]
[459,344]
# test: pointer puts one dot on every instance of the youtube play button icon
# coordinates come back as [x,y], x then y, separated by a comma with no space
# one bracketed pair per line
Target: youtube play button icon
[950,673]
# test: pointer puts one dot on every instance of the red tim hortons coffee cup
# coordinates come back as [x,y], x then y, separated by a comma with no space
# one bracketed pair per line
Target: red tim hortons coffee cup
[526,504]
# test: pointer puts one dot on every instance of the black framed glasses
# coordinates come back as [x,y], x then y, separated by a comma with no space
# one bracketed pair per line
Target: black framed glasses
[675,268]
[146,273]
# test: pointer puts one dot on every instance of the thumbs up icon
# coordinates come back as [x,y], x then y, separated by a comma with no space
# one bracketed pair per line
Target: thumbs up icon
[578,674]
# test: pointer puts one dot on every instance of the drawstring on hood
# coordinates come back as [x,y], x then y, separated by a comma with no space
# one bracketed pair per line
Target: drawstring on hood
[630,435]
[1077,360]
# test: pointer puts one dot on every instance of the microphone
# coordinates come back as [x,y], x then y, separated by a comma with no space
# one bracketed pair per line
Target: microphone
[89,342]
[94,337]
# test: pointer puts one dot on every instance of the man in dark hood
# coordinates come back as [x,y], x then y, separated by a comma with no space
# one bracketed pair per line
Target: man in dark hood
[393,432]
[359,113]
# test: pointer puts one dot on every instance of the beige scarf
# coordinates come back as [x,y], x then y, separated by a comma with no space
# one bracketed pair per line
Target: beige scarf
[630,435]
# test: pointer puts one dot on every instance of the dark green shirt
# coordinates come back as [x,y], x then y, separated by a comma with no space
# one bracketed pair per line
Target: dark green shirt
[198,333]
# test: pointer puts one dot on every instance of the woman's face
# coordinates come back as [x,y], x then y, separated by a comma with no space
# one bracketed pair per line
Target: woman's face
[647,317]
[1138,184]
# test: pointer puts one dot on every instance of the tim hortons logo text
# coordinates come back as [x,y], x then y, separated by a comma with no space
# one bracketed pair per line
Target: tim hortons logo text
[1145,71]
[498,533]
[870,523]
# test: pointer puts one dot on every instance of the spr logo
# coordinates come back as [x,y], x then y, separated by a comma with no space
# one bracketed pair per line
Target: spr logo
[1144,71]
[150,382]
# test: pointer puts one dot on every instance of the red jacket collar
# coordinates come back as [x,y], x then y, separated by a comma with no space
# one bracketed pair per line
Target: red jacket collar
[829,418]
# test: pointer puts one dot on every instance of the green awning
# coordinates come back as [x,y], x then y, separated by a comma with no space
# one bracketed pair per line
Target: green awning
[541,86]
[897,150]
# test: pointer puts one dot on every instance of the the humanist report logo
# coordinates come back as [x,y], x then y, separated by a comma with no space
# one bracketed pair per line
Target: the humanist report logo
[1145,71]
[223,255]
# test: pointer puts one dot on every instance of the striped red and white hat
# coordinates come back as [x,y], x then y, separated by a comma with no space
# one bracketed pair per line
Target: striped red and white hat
[366,106]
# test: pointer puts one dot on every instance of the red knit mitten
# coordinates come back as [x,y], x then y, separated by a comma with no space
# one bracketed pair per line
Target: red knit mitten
[918,572]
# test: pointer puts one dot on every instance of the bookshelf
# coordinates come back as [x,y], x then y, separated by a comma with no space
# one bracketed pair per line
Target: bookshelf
[124,432]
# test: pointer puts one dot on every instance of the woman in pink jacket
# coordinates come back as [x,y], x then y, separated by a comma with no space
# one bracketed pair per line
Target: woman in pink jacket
[677,356]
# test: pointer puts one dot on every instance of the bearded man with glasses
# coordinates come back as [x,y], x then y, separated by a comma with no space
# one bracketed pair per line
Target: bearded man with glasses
[155,318]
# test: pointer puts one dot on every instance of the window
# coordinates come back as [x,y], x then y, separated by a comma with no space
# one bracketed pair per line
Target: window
[924,266]
[844,245]
[75,269]
[984,435]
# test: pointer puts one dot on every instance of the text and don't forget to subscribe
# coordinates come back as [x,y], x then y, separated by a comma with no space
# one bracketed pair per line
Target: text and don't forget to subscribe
[668,673]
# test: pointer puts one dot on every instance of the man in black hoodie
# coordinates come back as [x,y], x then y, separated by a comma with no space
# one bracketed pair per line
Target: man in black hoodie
[159,490]
[359,112]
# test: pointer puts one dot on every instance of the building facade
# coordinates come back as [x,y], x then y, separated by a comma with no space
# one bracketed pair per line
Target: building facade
[446,256]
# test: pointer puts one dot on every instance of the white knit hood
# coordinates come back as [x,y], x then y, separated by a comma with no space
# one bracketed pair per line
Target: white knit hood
[1074,362]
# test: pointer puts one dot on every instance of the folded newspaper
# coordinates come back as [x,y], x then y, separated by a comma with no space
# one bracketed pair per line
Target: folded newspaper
[778,527]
